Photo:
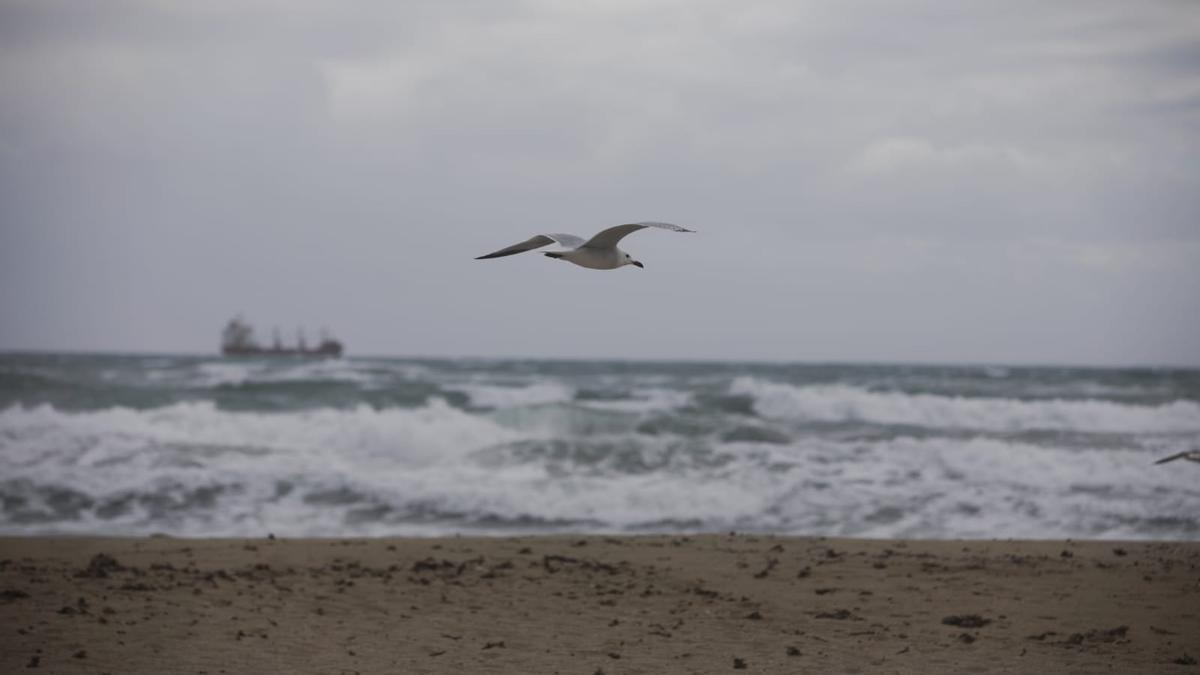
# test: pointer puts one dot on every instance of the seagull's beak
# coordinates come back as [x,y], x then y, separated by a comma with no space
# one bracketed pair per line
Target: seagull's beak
[638,264]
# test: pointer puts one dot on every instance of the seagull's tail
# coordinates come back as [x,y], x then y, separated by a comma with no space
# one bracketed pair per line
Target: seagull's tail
[556,256]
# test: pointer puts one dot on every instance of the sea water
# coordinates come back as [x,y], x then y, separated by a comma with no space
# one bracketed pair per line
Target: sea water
[208,446]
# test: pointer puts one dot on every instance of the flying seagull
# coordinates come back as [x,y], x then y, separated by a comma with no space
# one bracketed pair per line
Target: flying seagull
[1190,455]
[598,253]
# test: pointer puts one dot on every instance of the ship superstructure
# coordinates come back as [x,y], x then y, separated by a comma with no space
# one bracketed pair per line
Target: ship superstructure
[237,339]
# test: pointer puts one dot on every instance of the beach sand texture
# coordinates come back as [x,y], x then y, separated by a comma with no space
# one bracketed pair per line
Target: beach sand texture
[655,604]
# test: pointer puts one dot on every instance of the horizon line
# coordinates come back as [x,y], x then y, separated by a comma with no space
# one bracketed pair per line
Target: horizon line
[698,360]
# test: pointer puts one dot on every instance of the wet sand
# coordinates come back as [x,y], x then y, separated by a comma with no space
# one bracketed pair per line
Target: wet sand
[703,604]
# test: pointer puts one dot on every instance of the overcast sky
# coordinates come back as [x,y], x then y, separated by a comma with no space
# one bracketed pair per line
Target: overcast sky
[933,181]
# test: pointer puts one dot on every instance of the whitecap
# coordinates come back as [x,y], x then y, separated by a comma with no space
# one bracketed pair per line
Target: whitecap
[484,395]
[840,403]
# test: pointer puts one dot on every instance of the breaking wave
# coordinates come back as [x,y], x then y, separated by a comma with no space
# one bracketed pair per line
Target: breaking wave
[842,403]
[206,447]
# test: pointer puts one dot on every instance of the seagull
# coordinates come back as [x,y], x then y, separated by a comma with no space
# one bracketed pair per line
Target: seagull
[598,253]
[1189,455]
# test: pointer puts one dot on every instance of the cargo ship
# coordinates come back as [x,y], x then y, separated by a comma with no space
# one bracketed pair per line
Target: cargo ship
[238,340]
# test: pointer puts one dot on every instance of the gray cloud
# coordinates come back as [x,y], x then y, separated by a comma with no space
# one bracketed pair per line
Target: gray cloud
[1001,181]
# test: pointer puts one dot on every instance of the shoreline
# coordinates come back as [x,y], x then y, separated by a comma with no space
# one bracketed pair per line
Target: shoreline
[588,604]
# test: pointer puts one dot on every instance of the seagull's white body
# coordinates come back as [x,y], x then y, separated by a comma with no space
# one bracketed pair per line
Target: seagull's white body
[598,253]
[597,258]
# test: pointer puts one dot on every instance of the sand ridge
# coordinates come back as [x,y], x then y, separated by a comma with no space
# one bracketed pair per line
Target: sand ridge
[596,604]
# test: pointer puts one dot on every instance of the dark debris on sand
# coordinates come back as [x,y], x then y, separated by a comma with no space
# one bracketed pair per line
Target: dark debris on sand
[12,594]
[1098,635]
[837,615]
[966,621]
[99,567]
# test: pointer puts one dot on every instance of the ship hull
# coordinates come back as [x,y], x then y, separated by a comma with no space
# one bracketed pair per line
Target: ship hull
[324,352]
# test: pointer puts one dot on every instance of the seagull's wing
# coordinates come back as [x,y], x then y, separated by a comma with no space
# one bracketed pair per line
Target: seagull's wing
[536,241]
[609,238]
[567,240]
[1172,458]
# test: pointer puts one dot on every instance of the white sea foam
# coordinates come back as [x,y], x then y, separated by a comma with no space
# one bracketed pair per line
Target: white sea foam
[438,469]
[653,399]
[335,370]
[186,449]
[216,373]
[227,373]
[398,436]
[981,487]
[591,447]
[838,403]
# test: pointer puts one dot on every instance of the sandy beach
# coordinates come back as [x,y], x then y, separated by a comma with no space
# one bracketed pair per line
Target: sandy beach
[657,604]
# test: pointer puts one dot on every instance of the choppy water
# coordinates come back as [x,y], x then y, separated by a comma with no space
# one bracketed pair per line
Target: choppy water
[212,446]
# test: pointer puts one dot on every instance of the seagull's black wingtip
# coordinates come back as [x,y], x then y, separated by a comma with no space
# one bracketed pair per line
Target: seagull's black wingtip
[501,254]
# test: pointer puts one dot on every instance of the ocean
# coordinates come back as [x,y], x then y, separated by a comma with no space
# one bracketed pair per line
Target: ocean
[209,446]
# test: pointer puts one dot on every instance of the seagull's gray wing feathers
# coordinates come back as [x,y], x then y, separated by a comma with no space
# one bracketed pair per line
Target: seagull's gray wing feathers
[609,238]
[536,241]
[567,240]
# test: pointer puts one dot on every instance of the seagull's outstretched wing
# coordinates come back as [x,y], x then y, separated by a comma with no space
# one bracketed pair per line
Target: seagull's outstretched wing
[609,238]
[1193,455]
[536,241]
